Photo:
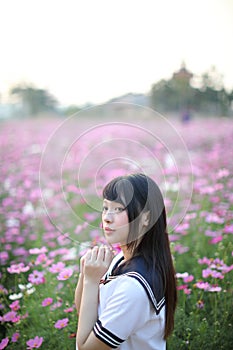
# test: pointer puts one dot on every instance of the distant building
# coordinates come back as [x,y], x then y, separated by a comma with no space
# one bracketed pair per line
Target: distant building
[138,99]
[183,74]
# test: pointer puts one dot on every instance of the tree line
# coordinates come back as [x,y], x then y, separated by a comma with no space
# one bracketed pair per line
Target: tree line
[183,93]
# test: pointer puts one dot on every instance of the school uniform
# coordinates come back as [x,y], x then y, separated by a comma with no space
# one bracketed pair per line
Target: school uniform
[131,313]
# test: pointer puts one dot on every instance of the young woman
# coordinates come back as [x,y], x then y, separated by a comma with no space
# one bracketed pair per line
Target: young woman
[128,302]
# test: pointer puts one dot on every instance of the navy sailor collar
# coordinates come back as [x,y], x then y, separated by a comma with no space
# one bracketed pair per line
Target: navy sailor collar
[138,269]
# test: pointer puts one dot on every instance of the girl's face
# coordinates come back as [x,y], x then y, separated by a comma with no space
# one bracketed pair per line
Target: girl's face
[115,222]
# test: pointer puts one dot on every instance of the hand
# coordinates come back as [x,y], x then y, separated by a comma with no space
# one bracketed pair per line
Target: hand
[96,263]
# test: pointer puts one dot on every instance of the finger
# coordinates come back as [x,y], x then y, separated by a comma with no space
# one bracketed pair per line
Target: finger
[87,256]
[101,253]
[108,255]
[94,253]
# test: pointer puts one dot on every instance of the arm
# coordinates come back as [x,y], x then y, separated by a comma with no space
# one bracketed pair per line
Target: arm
[96,263]
[78,292]
[79,287]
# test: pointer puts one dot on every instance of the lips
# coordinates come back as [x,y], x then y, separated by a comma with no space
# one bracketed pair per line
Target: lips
[108,229]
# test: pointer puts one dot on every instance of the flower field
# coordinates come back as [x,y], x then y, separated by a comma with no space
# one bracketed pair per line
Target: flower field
[50,191]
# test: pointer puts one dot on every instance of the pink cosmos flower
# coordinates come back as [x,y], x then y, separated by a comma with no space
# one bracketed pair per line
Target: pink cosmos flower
[64,274]
[202,285]
[211,273]
[4,256]
[34,343]
[228,229]
[56,268]
[214,288]
[42,258]
[37,277]
[4,343]
[216,240]
[187,291]
[207,273]
[38,250]
[203,261]
[16,319]
[69,309]
[61,323]
[56,305]
[180,248]
[15,305]
[8,317]
[18,268]
[189,278]
[226,269]
[91,216]
[15,337]
[212,217]
[47,301]
[182,287]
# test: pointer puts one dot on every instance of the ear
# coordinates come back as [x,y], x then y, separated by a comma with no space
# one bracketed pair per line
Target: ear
[145,218]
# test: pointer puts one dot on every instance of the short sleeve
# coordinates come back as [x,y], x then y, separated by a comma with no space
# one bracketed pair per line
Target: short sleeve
[126,310]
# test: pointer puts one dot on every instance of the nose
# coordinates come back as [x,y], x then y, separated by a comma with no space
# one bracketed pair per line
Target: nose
[108,217]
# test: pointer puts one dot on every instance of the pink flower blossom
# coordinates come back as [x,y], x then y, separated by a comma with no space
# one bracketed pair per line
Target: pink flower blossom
[15,337]
[203,261]
[15,305]
[56,268]
[34,343]
[4,256]
[187,291]
[47,301]
[215,288]
[182,287]
[61,323]
[8,317]
[216,240]
[37,277]
[69,309]
[18,268]
[207,273]
[91,216]
[64,274]
[38,250]
[42,258]
[228,229]
[212,217]
[181,249]
[189,278]
[56,305]
[4,343]
[202,285]
[16,319]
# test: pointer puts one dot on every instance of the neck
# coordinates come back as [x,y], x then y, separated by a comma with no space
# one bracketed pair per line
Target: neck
[126,253]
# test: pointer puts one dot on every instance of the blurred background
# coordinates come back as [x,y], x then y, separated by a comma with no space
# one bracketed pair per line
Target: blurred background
[59,57]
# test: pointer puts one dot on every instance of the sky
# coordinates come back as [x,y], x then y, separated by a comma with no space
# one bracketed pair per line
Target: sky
[91,51]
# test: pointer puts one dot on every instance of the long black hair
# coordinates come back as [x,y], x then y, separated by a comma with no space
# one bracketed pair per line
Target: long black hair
[139,194]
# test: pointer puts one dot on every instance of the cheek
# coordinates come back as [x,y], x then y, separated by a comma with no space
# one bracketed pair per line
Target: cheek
[123,220]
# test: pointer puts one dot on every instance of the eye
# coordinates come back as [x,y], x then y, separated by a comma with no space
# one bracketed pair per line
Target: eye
[119,209]
[104,209]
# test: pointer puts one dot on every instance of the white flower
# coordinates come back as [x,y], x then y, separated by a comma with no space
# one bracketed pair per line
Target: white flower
[23,286]
[15,296]
[31,290]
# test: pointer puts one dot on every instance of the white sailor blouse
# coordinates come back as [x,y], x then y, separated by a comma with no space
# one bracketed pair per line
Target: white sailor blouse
[131,313]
